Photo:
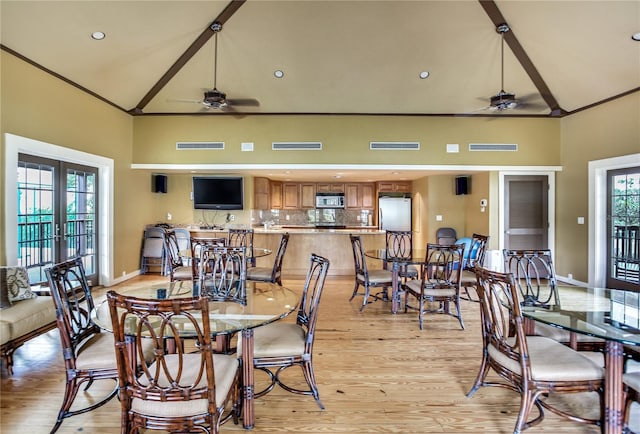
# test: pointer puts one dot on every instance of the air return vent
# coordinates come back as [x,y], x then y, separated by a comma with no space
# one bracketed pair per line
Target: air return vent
[495,147]
[195,146]
[394,146]
[296,146]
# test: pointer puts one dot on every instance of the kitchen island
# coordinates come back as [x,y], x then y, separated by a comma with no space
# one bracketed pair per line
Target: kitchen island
[333,244]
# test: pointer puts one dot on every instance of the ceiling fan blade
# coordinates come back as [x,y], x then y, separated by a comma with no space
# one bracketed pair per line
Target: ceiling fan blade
[248,102]
[193,101]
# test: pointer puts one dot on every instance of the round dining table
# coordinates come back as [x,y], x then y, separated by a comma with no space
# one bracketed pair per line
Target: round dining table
[413,257]
[265,303]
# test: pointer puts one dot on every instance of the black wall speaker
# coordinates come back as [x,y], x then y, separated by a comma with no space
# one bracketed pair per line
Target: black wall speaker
[159,183]
[463,185]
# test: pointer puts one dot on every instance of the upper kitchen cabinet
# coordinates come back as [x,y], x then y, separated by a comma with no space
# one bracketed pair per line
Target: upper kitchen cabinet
[307,195]
[360,195]
[290,195]
[330,187]
[276,194]
[394,187]
[261,193]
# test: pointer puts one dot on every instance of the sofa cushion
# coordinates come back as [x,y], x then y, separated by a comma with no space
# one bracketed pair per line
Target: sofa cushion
[15,282]
[28,315]
[5,332]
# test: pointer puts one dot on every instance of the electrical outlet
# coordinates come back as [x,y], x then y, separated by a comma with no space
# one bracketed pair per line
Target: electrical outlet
[232,217]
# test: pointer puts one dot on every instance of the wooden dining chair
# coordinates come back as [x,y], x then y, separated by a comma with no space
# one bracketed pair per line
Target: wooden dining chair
[222,274]
[399,244]
[281,345]
[439,283]
[368,278]
[88,353]
[243,237]
[271,274]
[533,366]
[535,278]
[177,268]
[189,390]
[631,384]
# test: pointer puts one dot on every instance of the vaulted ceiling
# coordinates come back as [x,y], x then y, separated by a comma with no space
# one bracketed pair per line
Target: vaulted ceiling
[338,57]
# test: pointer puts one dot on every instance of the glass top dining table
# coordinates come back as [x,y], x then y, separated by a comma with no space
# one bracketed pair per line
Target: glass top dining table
[609,314]
[415,256]
[265,303]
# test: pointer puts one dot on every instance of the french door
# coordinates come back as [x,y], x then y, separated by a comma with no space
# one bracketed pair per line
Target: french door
[57,215]
[623,227]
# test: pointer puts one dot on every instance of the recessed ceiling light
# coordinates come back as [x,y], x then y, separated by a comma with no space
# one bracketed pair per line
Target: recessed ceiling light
[395,173]
[98,36]
[278,73]
[424,74]
[337,176]
[636,36]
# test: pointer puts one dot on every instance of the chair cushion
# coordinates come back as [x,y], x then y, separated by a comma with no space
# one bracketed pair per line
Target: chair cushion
[277,339]
[97,353]
[259,273]
[632,380]
[225,369]
[552,361]
[561,335]
[378,276]
[183,273]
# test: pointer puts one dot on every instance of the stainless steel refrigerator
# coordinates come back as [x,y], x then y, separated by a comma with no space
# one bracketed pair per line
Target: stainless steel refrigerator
[394,213]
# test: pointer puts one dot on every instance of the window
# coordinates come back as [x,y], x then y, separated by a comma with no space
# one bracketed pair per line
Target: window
[623,228]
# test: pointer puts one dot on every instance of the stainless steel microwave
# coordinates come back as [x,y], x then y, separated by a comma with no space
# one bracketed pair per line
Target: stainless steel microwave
[329,200]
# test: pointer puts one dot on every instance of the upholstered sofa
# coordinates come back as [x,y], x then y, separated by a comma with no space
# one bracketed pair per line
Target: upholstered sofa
[23,313]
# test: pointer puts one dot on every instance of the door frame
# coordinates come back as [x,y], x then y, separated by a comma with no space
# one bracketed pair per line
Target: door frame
[598,213]
[17,144]
[551,205]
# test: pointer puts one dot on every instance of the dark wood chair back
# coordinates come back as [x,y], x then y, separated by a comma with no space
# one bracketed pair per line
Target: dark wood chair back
[180,391]
[243,237]
[222,274]
[73,300]
[534,276]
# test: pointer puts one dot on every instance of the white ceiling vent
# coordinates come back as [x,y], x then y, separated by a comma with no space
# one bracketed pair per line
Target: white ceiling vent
[496,147]
[394,146]
[195,146]
[296,146]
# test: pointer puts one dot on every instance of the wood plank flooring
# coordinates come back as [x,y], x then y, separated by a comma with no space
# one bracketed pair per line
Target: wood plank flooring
[377,373]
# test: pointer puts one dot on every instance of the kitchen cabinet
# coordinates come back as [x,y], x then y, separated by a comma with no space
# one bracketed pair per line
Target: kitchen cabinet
[359,195]
[330,187]
[275,188]
[290,195]
[261,193]
[394,186]
[307,195]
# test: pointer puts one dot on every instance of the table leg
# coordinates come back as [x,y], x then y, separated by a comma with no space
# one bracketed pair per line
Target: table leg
[395,284]
[248,418]
[613,396]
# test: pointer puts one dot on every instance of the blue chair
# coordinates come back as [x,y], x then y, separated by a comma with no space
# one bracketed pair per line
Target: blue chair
[474,252]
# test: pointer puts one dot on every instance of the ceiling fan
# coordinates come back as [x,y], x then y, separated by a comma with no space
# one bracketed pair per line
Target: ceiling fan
[506,100]
[214,98]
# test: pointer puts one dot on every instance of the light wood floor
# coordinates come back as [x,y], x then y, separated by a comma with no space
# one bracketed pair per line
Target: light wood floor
[377,372]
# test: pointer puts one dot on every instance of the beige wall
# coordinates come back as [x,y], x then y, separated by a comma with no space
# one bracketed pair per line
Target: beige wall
[602,132]
[38,106]
[345,139]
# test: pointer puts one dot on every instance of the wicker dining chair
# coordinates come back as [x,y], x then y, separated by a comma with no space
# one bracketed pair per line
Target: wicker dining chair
[88,353]
[222,274]
[368,278]
[399,244]
[243,237]
[190,390]
[533,366]
[439,283]
[281,345]
[271,274]
[177,267]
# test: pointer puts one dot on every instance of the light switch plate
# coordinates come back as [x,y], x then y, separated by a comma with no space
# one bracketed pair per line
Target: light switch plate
[580,220]
[438,218]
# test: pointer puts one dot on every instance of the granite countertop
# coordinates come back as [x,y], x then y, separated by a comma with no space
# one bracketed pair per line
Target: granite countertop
[298,229]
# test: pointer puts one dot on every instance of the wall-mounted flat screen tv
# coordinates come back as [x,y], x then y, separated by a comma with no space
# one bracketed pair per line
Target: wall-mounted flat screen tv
[217,192]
